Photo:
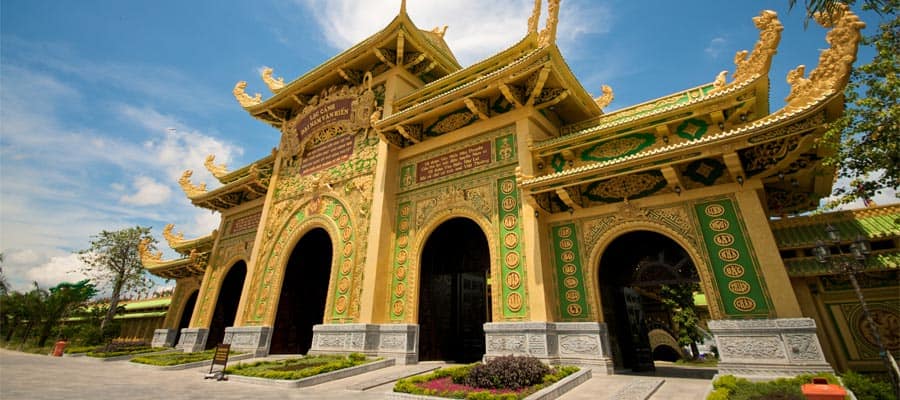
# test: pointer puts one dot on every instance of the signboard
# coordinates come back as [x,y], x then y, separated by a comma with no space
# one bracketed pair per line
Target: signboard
[460,160]
[326,114]
[327,154]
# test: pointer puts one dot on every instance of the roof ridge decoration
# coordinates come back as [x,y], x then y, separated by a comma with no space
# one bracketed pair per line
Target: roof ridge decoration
[243,98]
[833,70]
[547,36]
[218,171]
[174,240]
[189,188]
[275,84]
[535,17]
[607,97]
[760,59]
[148,257]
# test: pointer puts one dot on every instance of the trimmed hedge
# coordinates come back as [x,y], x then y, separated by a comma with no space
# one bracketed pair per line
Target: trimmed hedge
[729,387]
[124,352]
[297,368]
[177,358]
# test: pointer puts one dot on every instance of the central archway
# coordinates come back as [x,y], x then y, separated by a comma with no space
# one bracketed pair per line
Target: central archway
[227,304]
[454,297]
[304,292]
[638,272]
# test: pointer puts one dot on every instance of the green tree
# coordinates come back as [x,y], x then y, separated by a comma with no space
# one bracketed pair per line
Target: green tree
[679,300]
[866,139]
[62,301]
[113,261]
[4,283]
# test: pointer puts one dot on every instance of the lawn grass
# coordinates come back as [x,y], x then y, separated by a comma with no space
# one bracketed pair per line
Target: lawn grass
[177,358]
[124,352]
[297,368]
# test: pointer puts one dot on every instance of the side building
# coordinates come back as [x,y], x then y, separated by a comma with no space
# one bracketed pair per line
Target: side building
[419,210]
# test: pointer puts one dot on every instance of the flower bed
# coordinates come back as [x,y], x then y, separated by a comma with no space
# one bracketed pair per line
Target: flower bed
[297,368]
[177,358]
[503,378]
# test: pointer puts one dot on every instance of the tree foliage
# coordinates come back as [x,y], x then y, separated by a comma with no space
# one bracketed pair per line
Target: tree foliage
[113,261]
[40,311]
[866,140]
[679,300]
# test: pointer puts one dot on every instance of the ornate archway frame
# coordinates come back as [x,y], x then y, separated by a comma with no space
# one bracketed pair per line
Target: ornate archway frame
[431,224]
[592,269]
[269,273]
[202,316]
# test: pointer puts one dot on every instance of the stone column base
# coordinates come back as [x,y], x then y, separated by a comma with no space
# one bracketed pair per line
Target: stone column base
[193,339]
[768,348]
[397,341]
[585,344]
[164,338]
[250,339]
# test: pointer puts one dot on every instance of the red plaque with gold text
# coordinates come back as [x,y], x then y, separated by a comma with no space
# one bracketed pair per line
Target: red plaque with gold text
[332,152]
[460,160]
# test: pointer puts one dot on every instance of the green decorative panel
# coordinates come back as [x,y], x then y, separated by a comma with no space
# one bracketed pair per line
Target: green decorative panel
[512,275]
[705,171]
[735,268]
[344,276]
[558,162]
[569,274]
[623,187]
[401,263]
[621,147]
[505,148]
[407,176]
[692,128]
[451,122]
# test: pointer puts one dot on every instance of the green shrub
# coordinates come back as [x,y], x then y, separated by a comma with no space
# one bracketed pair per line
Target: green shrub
[866,388]
[728,387]
[508,372]
[296,368]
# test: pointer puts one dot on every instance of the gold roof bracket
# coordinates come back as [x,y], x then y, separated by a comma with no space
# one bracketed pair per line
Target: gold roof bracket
[275,84]
[243,98]
[218,171]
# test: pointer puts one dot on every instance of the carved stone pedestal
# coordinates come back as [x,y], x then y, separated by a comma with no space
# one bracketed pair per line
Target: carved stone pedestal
[585,344]
[193,339]
[164,338]
[397,341]
[768,348]
[251,339]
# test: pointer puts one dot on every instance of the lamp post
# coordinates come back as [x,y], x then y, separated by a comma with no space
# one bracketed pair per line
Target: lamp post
[859,250]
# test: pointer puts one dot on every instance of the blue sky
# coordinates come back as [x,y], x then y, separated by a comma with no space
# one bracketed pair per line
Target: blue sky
[104,103]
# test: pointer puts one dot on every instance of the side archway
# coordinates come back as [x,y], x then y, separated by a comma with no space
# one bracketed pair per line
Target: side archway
[229,298]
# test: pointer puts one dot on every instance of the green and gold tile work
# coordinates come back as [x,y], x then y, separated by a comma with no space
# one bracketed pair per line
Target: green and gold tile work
[736,271]
[512,259]
[401,263]
[569,274]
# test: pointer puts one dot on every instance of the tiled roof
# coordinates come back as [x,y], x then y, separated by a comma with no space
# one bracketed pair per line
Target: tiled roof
[808,266]
[873,223]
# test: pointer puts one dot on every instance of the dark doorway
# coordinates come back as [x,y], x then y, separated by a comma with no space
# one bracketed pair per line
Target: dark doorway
[186,315]
[227,305]
[632,272]
[454,298]
[303,294]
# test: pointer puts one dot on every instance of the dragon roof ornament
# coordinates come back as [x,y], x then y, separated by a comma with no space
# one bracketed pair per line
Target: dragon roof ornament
[760,59]
[274,84]
[604,99]
[833,71]
[243,98]
[217,171]
[189,188]
[535,17]
[547,36]
[173,239]
[148,257]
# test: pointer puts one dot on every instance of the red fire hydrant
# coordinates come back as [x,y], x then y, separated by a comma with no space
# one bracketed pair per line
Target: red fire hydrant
[59,348]
[820,389]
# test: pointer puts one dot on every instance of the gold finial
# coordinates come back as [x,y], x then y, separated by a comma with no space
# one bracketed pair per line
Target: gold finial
[217,170]
[760,58]
[189,189]
[720,80]
[606,97]
[548,35]
[243,98]
[402,6]
[274,84]
[440,30]
[173,239]
[535,17]
[833,71]
[147,256]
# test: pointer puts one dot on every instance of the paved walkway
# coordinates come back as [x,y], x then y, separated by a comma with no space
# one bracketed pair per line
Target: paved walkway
[30,376]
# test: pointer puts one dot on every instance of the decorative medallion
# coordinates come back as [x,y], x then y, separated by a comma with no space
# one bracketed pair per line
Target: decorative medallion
[719,224]
[451,122]
[513,280]
[734,270]
[692,128]
[397,308]
[564,232]
[569,269]
[343,220]
[402,256]
[572,295]
[724,239]
[565,244]
[509,203]
[346,265]
[399,290]
[507,186]
[626,187]
[400,273]
[574,310]
[346,233]
[612,149]
[714,210]
[343,285]
[348,249]
[729,254]
[514,301]
[568,256]
[738,286]
[570,282]
[403,241]
[510,221]
[341,304]
[511,240]
[512,260]
[404,225]
[404,211]
[705,171]
[744,303]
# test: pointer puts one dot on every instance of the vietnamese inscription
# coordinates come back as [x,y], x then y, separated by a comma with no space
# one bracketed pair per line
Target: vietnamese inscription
[451,163]
[327,154]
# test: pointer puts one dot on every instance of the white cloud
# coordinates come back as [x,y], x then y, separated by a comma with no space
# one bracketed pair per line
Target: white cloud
[477,28]
[715,47]
[58,269]
[149,192]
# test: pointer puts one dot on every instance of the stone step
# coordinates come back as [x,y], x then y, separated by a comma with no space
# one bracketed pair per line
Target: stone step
[638,389]
[393,376]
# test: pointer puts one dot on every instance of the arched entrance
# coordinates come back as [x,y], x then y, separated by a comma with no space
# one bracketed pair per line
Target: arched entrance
[186,314]
[642,275]
[303,294]
[227,305]
[454,297]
